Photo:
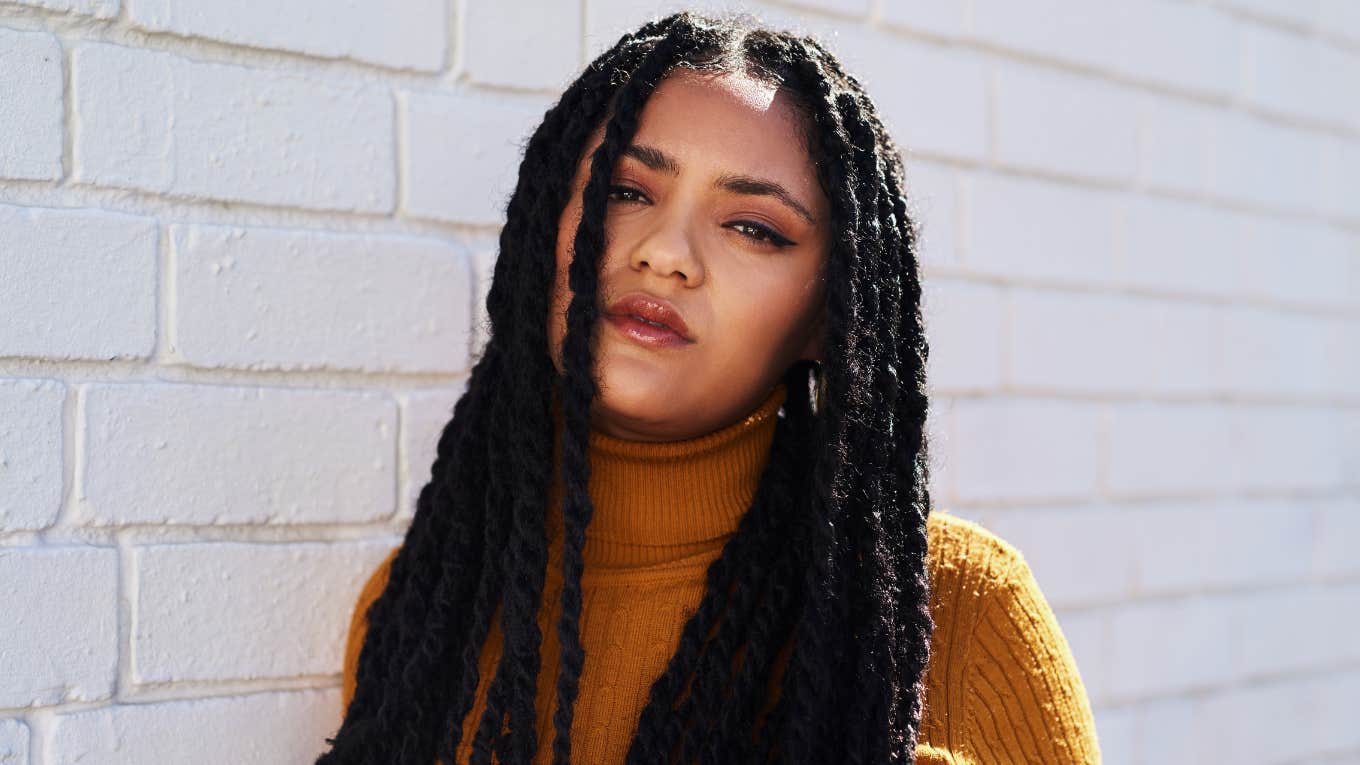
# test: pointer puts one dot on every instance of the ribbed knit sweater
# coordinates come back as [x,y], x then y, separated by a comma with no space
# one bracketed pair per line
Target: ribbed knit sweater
[1002,685]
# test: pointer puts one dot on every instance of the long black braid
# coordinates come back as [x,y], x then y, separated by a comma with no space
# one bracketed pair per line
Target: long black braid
[827,568]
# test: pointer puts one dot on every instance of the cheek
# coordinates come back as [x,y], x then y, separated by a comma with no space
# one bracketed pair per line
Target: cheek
[775,316]
[560,291]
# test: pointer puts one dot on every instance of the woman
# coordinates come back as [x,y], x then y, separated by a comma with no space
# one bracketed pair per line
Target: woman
[680,513]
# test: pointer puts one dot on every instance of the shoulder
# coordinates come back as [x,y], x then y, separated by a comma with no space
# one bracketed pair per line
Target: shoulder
[963,548]
[1002,682]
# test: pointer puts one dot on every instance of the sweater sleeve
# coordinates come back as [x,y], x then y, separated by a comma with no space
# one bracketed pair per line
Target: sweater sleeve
[358,626]
[1025,700]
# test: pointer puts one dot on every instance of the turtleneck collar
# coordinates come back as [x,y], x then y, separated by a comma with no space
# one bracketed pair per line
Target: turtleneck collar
[666,504]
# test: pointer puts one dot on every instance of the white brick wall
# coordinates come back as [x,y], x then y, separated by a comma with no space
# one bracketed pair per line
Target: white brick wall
[242,253]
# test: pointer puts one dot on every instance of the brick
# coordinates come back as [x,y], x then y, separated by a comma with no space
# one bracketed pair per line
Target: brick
[31,106]
[264,298]
[1079,555]
[1289,447]
[1279,721]
[484,267]
[413,37]
[1298,13]
[282,727]
[1270,165]
[1276,646]
[1068,30]
[1024,449]
[1297,262]
[964,323]
[1288,73]
[31,456]
[1338,526]
[1167,727]
[424,416]
[608,20]
[496,35]
[858,8]
[1170,449]
[1185,46]
[1341,177]
[1275,352]
[900,75]
[1201,258]
[100,304]
[1185,547]
[1340,18]
[941,19]
[104,9]
[1169,647]
[200,615]
[235,455]
[1115,732]
[934,201]
[228,132]
[61,639]
[1035,230]
[939,429]
[1110,343]
[1058,122]
[463,154]
[1178,144]
[14,744]
[1078,341]
[1348,422]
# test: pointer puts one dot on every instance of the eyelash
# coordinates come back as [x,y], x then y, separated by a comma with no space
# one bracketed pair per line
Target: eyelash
[769,236]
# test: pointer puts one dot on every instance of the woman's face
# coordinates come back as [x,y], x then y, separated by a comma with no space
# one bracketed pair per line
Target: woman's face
[716,210]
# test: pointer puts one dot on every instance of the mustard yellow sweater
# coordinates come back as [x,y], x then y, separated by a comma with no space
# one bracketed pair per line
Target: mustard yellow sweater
[1002,686]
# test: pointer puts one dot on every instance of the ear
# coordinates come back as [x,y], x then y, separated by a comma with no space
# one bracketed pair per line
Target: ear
[815,347]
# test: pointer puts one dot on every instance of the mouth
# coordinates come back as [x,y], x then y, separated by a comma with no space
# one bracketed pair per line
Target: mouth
[649,320]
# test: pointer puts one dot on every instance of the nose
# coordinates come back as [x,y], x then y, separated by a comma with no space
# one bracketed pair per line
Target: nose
[666,249]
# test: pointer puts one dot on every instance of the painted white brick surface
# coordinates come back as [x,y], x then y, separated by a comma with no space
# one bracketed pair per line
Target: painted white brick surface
[424,415]
[218,611]
[30,105]
[230,132]
[993,458]
[1037,230]
[78,284]
[410,34]
[287,726]
[99,8]
[1049,122]
[292,299]
[61,630]
[244,255]
[234,455]
[31,459]
[14,736]
[496,35]
[461,161]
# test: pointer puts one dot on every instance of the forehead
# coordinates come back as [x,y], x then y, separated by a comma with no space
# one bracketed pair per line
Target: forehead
[728,122]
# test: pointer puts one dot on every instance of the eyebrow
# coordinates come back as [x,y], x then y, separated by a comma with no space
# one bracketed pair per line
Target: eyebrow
[662,162]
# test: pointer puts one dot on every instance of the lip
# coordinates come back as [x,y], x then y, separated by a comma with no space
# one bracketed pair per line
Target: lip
[625,313]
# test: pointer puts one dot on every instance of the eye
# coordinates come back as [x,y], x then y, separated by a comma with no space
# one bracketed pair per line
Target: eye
[756,232]
[615,191]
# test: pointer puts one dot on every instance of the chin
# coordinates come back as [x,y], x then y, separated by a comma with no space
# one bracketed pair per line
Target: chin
[638,394]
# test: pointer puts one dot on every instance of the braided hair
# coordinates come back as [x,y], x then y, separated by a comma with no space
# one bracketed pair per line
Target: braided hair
[827,567]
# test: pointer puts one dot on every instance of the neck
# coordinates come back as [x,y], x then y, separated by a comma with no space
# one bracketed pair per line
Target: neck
[663,503]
